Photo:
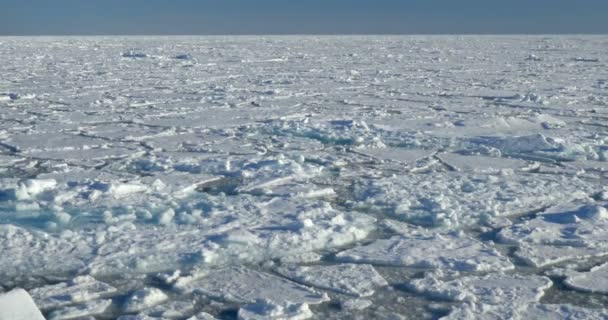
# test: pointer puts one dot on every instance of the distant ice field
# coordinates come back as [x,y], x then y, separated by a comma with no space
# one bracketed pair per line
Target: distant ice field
[297,177]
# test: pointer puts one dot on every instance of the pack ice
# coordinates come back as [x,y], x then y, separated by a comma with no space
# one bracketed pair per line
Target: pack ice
[296,177]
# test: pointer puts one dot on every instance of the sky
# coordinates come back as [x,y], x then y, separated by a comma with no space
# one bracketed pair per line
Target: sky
[191,17]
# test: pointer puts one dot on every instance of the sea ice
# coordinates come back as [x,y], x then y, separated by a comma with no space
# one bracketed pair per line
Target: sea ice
[265,309]
[563,232]
[432,250]
[79,289]
[143,299]
[244,285]
[18,305]
[351,279]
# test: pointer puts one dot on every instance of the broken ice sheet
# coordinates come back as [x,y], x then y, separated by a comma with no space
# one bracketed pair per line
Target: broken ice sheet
[359,280]
[563,232]
[90,308]
[79,289]
[143,299]
[529,311]
[264,309]
[454,199]
[243,285]
[594,281]
[306,144]
[37,253]
[499,296]
[453,251]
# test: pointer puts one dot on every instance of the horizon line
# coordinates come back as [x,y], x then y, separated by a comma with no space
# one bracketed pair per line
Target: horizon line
[303,34]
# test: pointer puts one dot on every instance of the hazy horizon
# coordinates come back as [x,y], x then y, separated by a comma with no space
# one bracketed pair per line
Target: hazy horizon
[273,17]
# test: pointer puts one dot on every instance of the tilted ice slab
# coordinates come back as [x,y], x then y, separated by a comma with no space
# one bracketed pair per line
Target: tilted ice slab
[79,289]
[455,199]
[453,251]
[358,280]
[595,281]
[526,312]
[494,296]
[18,305]
[242,285]
[492,289]
[564,232]
[90,308]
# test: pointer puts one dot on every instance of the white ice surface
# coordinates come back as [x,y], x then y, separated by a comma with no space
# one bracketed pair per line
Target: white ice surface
[499,296]
[595,281]
[90,308]
[240,284]
[563,232]
[18,305]
[125,157]
[264,309]
[79,289]
[430,250]
[359,280]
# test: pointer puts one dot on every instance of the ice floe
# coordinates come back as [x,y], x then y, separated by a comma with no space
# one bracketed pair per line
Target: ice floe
[18,305]
[563,232]
[240,284]
[351,279]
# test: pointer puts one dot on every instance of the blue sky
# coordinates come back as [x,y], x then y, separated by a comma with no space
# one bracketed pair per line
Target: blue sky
[55,17]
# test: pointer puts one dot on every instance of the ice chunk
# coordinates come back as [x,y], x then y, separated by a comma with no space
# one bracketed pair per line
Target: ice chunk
[265,309]
[170,310]
[356,304]
[352,279]
[490,289]
[443,251]
[526,312]
[202,316]
[573,230]
[492,296]
[91,308]
[79,289]
[244,285]
[121,190]
[18,305]
[143,299]
[595,281]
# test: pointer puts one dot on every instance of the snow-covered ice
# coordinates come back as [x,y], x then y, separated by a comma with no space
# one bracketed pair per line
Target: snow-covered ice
[352,279]
[304,176]
[18,305]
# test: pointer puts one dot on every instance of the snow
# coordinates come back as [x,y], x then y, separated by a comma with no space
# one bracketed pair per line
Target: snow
[79,289]
[499,296]
[90,308]
[18,305]
[429,251]
[264,309]
[240,284]
[357,280]
[563,232]
[143,299]
[262,176]
[594,281]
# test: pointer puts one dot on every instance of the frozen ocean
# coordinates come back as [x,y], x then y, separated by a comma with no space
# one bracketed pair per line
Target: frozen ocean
[304,177]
